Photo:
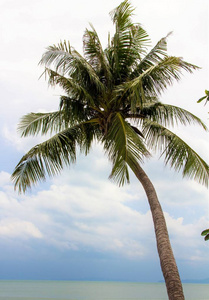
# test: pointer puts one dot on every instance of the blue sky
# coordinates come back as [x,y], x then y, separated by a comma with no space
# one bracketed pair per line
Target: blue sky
[80,225]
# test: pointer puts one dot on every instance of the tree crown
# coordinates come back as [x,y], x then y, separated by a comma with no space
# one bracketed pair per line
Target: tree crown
[112,96]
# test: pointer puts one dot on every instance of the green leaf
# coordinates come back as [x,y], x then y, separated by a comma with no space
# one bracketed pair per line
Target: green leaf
[169,115]
[124,148]
[201,99]
[153,81]
[207,237]
[177,153]
[95,55]
[70,65]
[205,232]
[34,123]
[47,157]
[128,42]
[155,55]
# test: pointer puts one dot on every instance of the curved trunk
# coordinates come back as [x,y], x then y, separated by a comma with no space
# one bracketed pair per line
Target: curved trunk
[167,260]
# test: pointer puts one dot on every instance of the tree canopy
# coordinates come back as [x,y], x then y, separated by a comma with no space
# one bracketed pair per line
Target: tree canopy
[111,95]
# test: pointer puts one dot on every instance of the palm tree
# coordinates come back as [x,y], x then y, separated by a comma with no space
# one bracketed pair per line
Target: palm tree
[111,96]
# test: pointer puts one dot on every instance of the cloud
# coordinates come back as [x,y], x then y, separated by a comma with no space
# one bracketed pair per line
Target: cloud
[187,242]
[18,229]
[20,144]
[4,178]
[82,212]
[92,214]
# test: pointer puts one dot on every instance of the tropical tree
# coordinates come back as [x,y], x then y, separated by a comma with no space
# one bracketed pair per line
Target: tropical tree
[111,96]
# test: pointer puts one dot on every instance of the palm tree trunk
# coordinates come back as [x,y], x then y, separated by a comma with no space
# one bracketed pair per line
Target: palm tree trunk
[167,260]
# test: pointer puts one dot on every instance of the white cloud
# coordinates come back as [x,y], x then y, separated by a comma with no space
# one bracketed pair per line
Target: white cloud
[20,144]
[186,239]
[17,228]
[4,178]
[81,211]
[184,194]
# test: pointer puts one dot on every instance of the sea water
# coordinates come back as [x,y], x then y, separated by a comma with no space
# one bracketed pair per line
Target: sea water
[91,290]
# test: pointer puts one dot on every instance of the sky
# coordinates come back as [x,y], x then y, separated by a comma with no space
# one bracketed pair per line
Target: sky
[79,225]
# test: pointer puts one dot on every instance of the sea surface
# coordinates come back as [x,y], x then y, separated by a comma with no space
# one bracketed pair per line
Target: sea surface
[93,290]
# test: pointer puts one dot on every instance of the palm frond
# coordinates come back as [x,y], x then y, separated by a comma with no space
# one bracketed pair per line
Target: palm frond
[57,54]
[153,81]
[84,69]
[75,111]
[124,148]
[177,153]
[71,113]
[47,157]
[169,115]
[95,55]
[121,16]
[158,77]
[205,97]
[89,132]
[205,232]
[206,237]
[139,42]
[155,55]
[34,123]
[51,156]
[71,64]
[128,41]
[71,87]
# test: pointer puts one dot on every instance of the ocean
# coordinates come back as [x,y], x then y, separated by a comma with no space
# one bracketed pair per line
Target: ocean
[93,290]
